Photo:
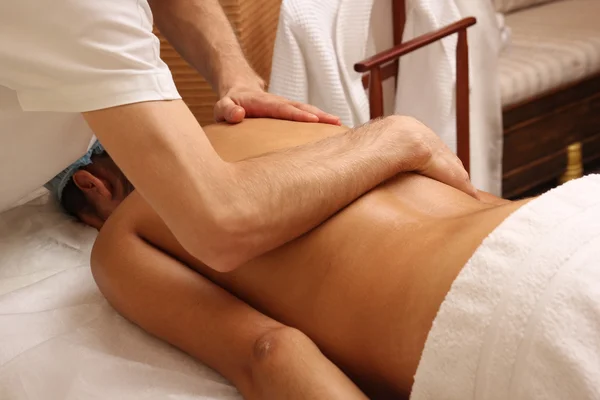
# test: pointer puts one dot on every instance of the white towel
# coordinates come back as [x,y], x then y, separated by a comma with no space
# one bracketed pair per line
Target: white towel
[522,319]
[316,47]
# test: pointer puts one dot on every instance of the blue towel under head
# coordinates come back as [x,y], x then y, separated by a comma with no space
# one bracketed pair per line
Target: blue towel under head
[58,183]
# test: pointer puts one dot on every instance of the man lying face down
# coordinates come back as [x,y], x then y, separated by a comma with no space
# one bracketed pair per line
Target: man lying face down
[414,290]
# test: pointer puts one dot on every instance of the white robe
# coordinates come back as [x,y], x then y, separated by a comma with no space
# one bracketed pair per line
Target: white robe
[318,43]
[316,47]
[486,40]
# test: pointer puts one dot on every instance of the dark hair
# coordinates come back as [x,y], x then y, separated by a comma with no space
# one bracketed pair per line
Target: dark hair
[73,200]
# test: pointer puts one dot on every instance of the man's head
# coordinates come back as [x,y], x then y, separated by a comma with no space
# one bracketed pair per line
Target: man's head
[95,191]
[91,188]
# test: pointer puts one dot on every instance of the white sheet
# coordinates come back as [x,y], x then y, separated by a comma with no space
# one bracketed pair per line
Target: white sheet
[59,339]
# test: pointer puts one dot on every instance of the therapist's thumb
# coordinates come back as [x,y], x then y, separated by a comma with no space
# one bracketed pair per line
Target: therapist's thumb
[227,110]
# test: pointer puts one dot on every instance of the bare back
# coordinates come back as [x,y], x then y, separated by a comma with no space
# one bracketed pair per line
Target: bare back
[366,284]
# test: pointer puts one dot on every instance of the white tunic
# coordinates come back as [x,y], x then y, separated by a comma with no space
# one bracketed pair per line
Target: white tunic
[59,58]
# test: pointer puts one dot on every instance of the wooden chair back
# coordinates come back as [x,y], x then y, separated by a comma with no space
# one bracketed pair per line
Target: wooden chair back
[385,65]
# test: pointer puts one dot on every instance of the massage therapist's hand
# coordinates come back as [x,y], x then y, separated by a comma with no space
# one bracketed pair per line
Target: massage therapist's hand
[426,153]
[239,103]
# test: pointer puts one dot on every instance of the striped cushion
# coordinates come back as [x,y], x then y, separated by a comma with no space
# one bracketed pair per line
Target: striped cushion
[552,45]
[506,6]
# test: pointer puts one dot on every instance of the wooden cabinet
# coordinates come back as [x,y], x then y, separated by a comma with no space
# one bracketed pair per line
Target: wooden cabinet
[539,131]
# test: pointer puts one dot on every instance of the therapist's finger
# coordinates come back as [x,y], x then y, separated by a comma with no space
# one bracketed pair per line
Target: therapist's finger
[324,117]
[227,110]
[445,167]
[284,110]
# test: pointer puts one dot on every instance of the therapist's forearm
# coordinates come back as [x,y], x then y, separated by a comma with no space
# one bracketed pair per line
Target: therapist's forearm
[228,213]
[279,196]
[200,31]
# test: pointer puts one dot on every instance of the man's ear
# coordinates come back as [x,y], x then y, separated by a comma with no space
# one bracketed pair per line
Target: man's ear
[91,185]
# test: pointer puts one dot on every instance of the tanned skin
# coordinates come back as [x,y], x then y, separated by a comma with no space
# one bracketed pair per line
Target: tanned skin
[357,294]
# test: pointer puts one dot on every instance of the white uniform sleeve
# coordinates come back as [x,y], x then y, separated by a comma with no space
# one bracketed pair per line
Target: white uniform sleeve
[81,55]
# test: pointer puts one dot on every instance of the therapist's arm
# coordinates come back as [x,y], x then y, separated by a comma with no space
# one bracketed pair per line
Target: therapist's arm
[228,213]
[200,31]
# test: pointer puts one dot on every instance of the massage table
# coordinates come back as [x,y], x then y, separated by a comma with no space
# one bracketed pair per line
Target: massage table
[61,340]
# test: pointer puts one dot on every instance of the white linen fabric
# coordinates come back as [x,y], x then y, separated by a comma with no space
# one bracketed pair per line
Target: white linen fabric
[61,340]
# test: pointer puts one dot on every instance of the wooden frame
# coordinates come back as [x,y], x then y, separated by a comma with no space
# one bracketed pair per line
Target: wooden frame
[385,65]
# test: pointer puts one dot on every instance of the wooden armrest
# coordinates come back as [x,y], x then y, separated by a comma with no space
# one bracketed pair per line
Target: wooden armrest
[378,71]
[414,44]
